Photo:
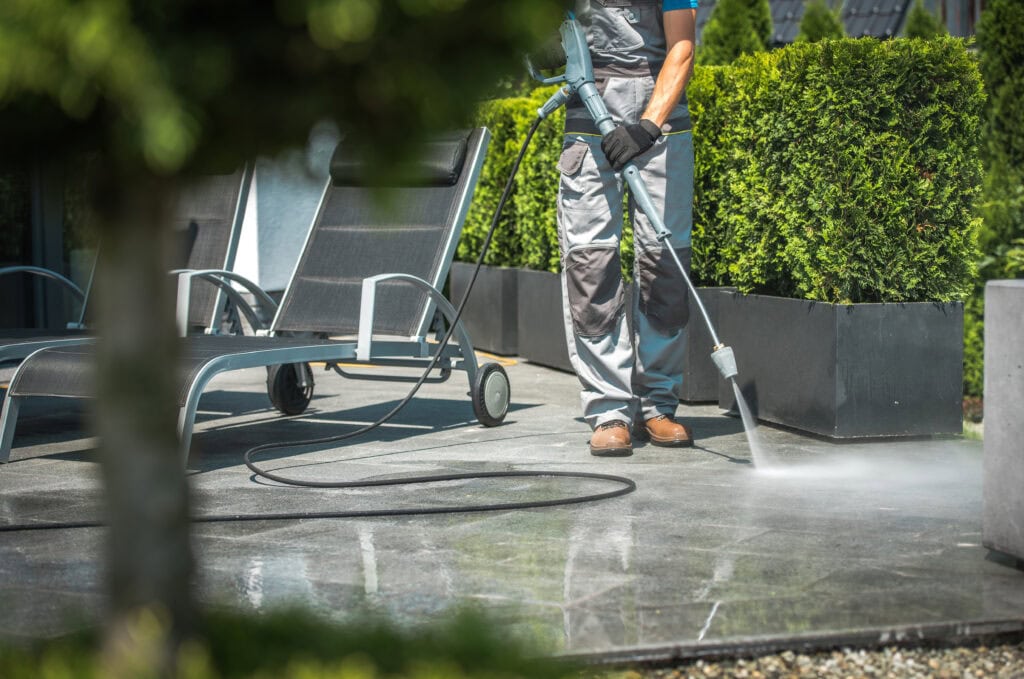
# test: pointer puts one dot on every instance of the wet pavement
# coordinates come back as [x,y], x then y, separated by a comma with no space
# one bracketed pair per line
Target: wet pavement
[823,543]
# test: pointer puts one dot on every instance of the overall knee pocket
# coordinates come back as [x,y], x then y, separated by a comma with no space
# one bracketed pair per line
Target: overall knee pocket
[664,296]
[594,286]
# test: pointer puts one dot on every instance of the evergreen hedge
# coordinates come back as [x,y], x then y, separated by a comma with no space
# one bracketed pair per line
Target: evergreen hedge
[842,171]
[527,235]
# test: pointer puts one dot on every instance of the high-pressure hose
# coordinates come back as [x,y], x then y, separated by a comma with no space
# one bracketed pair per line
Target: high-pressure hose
[626,485]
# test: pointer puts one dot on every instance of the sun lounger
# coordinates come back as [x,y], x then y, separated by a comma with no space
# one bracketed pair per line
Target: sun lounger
[365,290]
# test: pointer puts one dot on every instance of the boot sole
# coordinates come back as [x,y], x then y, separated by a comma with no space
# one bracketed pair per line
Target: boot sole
[644,435]
[670,443]
[611,452]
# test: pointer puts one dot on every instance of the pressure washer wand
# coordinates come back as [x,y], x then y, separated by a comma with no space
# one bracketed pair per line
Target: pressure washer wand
[579,79]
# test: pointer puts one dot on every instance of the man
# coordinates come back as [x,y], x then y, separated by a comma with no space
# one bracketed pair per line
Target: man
[642,52]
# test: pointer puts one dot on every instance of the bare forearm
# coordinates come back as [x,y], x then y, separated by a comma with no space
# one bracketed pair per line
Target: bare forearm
[680,37]
[671,83]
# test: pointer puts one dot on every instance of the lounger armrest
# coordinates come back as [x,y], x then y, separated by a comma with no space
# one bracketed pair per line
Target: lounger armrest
[223,280]
[367,311]
[47,273]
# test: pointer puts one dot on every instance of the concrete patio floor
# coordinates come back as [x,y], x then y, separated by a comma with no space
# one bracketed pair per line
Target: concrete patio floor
[830,543]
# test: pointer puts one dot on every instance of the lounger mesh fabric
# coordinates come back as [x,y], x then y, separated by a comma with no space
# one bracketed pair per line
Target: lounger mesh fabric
[207,209]
[17,344]
[357,236]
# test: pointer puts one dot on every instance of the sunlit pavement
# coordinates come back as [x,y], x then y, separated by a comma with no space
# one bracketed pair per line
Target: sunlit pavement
[829,543]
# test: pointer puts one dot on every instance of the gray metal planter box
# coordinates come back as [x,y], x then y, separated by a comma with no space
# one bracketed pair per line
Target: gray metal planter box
[1003,517]
[541,330]
[490,316]
[847,371]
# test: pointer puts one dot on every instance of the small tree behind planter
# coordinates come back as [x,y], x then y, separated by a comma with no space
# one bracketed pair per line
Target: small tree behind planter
[922,24]
[819,23]
[760,13]
[729,33]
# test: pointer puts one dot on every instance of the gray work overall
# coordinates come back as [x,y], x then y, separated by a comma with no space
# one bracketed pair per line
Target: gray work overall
[621,374]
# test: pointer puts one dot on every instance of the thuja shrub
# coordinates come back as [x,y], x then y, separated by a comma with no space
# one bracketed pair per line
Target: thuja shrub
[535,202]
[845,171]
[504,118]
[526,235]
[848,171]
[733,228]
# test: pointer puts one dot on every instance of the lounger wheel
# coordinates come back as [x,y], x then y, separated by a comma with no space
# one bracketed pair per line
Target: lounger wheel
[490,393]
[285,390]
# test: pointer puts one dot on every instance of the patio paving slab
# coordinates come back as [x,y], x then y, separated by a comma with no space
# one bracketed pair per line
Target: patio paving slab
[827,542]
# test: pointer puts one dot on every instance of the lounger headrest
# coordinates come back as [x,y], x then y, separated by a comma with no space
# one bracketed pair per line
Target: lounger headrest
[440,164]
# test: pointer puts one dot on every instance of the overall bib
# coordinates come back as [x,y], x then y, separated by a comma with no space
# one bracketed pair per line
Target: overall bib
[624,375]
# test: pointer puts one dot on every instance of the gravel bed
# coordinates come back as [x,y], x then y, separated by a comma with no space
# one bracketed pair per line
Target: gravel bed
[1000,661]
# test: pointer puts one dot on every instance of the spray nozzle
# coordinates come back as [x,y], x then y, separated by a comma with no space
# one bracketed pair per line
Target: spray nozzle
[725,361]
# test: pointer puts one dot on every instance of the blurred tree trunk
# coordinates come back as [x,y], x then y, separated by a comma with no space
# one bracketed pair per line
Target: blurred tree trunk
[149,564]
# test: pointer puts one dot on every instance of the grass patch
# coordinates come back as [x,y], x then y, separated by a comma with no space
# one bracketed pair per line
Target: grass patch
[297,645]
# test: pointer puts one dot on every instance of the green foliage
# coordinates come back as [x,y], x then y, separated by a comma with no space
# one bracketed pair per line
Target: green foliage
[974,343]
[723,116]
[730,32]
[848,173]
[760,13]
[1001,44]
[819,23]
[922,24]
[1001,209]
[527,234]
[535,202]
[296,645]
[843,171]
[170,86]
[1001,48]
[507,121]
[1013,265]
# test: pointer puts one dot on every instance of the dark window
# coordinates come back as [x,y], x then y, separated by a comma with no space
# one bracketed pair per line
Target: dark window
[15,241]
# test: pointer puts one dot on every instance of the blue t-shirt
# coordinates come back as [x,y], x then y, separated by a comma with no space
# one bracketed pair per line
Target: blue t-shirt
[669,5]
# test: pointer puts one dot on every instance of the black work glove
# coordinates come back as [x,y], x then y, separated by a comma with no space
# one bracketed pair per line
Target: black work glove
[626,142]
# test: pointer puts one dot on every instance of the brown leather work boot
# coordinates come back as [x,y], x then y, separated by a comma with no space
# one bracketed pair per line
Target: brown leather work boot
[665,431]
[611,439]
